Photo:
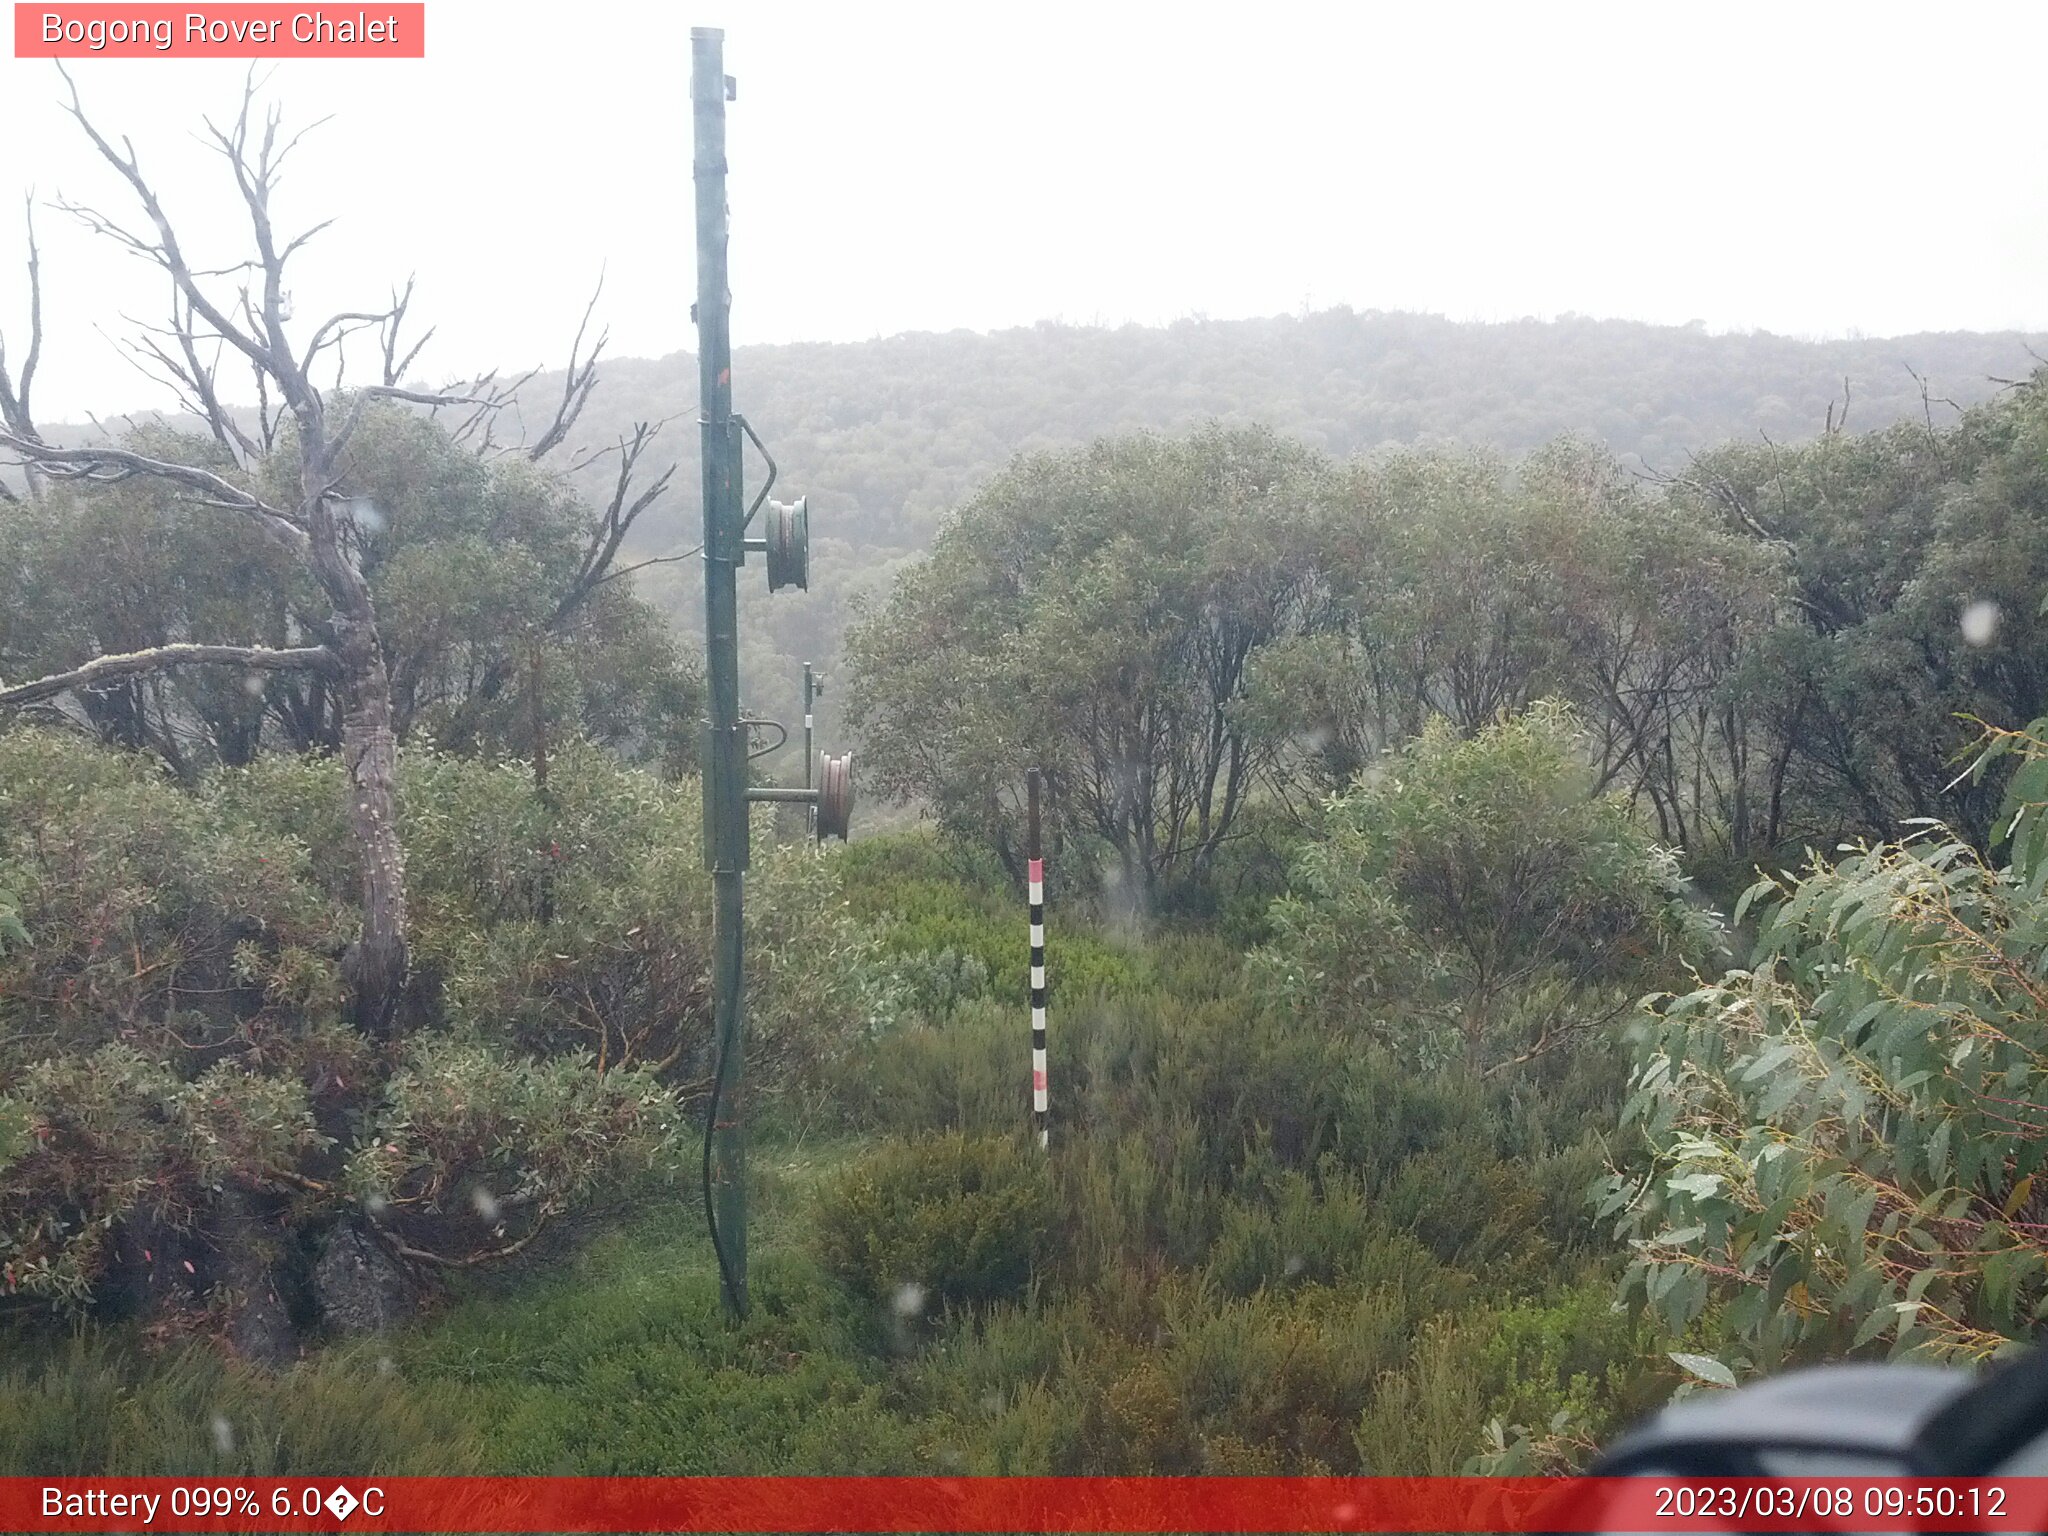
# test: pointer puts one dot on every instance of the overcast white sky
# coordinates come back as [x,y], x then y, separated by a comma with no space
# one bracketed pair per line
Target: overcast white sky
[1800,168]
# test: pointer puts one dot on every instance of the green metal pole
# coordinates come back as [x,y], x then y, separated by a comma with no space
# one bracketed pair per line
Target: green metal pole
[725,762]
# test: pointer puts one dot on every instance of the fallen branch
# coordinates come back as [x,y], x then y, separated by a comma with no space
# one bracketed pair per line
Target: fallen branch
[311,658]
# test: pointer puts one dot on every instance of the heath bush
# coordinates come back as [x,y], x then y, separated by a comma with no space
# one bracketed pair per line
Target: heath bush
[947,1220]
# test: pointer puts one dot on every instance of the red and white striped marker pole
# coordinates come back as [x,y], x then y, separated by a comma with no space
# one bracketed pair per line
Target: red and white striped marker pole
[1035,855]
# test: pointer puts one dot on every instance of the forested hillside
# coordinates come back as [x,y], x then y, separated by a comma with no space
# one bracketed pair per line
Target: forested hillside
[890,434]
[887,436]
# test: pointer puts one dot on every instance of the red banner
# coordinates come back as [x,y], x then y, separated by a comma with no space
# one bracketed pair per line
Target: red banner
[1021,1504]
[230,31]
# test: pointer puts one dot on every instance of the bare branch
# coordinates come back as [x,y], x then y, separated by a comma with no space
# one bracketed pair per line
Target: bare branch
[267,417]
[189,379]
[396,363]
[640,565]
[1837,424]
[256,183]
[422,396]
[580,380]
[497,397]
[166,252]
[226,430]
[109,466]
[369,392]
[594,456]
[101,669]
[35,314]
[15,409]
[1927,400]
[99,224]
[300,240]
[335,327]
[620,514]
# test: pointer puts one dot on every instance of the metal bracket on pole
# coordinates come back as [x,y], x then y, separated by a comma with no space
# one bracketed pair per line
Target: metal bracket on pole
[831,802]
[766,485]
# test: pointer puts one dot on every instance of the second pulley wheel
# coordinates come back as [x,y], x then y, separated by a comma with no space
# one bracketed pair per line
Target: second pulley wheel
[835,796]
[788,537]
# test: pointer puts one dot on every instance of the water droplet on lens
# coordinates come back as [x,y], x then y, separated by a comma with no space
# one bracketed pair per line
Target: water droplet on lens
[909,1299]
[1980,622]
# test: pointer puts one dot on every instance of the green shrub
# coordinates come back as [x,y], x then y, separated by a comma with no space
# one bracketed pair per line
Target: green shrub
[1323,1231]
[115,1139]
[585,924]
[949,1220]
[474,1152]
[1563,1374]
[1475,899]
[1141,1196]
[953,926]
[90,1405]
[161,917]
[970,1073]
[1423,1417]
[1471,1210]
[1242,1071]
[177,1068]
[1843,1145]
[12,933]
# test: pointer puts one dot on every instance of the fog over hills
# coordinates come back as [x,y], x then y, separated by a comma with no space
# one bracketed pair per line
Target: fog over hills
[886,436]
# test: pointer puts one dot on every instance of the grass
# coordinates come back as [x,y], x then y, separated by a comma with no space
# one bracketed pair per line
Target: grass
[622,1362]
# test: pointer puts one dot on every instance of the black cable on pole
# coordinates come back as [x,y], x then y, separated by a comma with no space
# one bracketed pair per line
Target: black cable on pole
[728,1281]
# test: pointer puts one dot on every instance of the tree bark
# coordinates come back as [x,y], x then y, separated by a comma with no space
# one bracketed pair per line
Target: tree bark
[377,962]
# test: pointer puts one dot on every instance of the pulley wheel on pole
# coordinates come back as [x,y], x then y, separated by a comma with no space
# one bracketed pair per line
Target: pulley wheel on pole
[835,796]
[787,536]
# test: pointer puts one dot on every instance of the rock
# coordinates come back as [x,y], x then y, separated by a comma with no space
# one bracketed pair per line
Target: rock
[360,1287]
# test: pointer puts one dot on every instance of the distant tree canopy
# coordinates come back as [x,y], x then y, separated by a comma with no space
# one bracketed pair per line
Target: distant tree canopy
[1915,560]
[477,567]
[890,436]
[1782,646]
[1095,615]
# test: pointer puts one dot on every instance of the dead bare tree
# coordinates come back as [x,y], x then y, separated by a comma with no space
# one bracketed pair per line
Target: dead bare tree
[16,411]
[630,496]
[316,524]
